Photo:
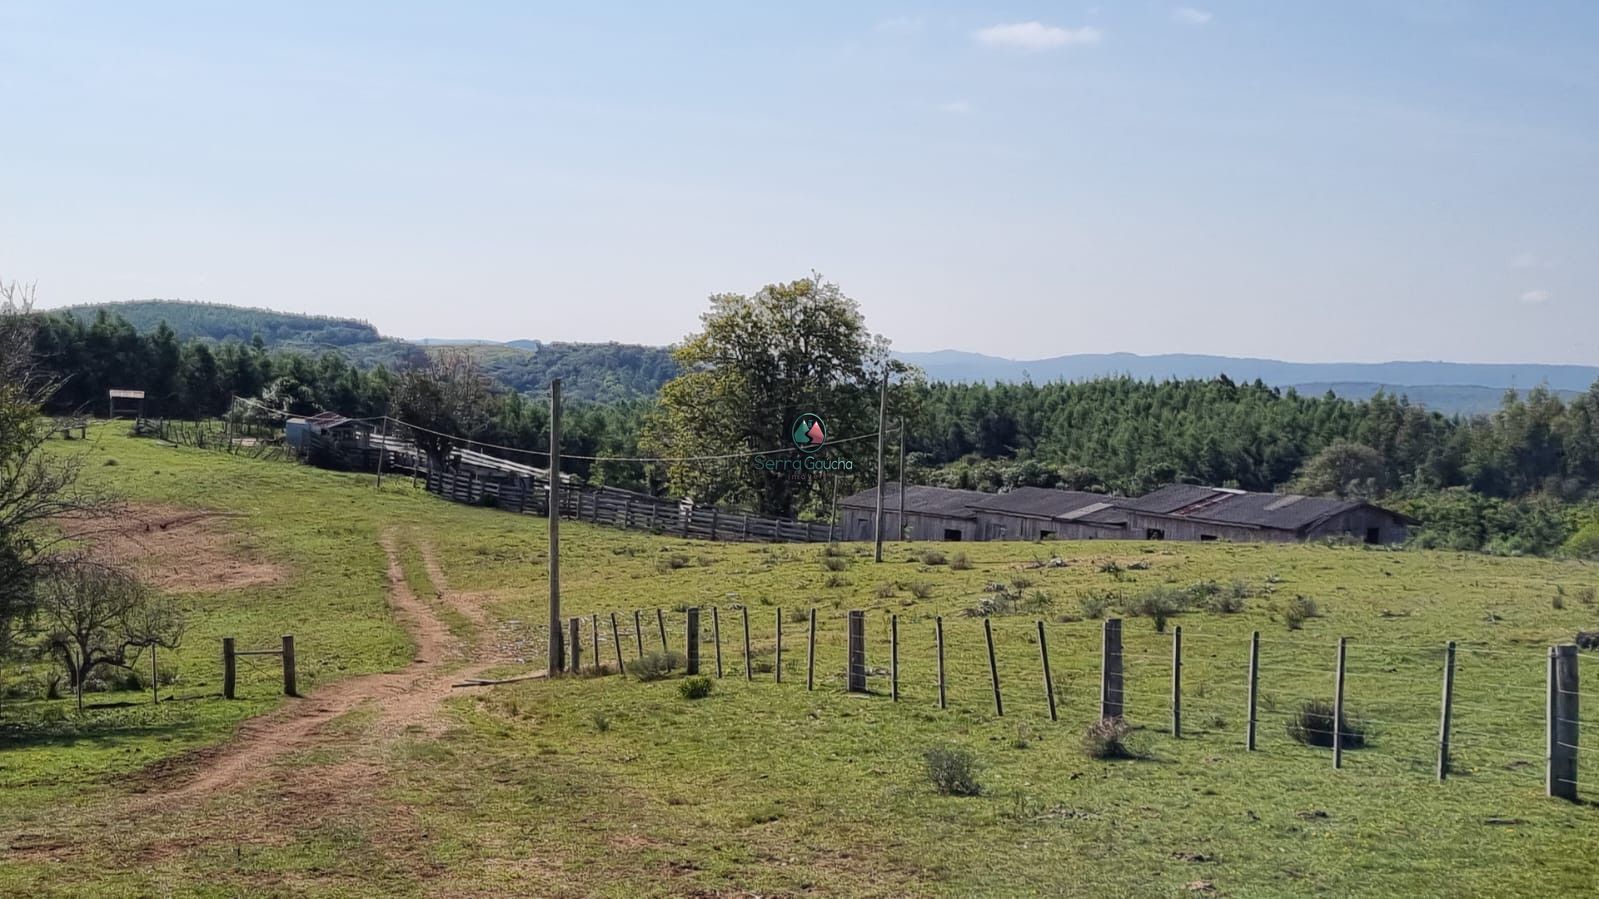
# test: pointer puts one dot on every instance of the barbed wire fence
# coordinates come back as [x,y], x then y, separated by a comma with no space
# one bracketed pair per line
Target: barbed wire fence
[1435,711]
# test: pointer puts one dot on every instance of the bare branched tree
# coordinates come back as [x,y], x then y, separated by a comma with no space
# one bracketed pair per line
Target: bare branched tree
[448,397]
[38,489]
[97,616]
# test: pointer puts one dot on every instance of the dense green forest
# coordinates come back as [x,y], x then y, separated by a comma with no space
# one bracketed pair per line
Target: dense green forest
[1522,480]
[601,372]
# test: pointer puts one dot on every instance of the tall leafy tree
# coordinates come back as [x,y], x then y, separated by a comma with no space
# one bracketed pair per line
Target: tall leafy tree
[758,363]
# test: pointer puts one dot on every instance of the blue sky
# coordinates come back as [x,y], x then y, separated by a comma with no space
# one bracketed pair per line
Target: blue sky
[1310,181]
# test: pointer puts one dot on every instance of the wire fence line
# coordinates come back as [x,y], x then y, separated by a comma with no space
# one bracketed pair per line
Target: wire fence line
[1407,713]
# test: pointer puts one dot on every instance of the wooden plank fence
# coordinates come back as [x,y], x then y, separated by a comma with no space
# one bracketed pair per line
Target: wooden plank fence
[624,509]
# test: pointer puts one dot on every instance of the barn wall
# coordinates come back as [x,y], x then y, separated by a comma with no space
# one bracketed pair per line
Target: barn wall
[856,524]
[1183,529]
[1355,522]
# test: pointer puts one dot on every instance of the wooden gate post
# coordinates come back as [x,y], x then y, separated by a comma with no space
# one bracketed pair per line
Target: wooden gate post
[616,637]
[228,668]
[716,635]
[1253,717]
[893,657]
[1049,682]
[574,639]
[993,666]
[778,666]
[810,654]
[1562,771]
[1177,682]
[1338,704]
[1446,711]
[660,623]
[1110,670]
[290,686]
[594,625]
[638,632]
[692,641]
[857,652]
[938,631]
[749,670]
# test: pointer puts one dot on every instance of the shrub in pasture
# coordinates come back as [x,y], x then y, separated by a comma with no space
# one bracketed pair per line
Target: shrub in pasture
[921,590]
[1107,739]
[1300,609]
[836,580]
[1312,725]
[885,590]
[654,665]
[960,562]
[953,770]
[932,557]
[697,687]
[835,563]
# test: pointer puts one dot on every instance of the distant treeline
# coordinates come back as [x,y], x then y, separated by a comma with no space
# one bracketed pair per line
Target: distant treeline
[216,322]
[1524,479]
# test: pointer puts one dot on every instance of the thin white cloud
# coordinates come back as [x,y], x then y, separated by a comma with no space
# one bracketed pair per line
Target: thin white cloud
[902,25]
[1536,296]
[956,107]
[1035,36]
[1187,15]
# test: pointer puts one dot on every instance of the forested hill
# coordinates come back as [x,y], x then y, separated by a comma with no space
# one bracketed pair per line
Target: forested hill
[219,322]
[599,372]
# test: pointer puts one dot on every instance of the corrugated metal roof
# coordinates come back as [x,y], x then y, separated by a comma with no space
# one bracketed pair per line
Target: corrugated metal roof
[944,501]
[1040,502]
[1277,511]
[483,460]
[1169,499]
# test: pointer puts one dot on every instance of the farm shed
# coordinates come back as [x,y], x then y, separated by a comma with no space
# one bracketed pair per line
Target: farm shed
[1036,513]
[931,513]
[1190,512]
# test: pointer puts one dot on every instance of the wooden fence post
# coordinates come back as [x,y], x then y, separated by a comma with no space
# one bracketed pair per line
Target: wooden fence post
[1049,682]
[993,666]
[1110,670]
[1338,705]
[1253,717]
[778,655]
[692,641]
[1561,774]
[716,636]
[574,640]
[290,682]
[1446,711]
[938,630]
[594,625]
[1177,682]
[228,668]
[638,631]
[616,637]
[893,657]
[660,622]
[810,654]
[856,682]
[749,670]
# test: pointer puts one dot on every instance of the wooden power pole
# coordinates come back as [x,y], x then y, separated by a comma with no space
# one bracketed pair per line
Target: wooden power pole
[882,436]
[899,472]
[556,655]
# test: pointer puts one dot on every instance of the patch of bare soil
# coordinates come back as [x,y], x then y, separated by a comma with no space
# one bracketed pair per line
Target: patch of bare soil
[177,550]
[406,700]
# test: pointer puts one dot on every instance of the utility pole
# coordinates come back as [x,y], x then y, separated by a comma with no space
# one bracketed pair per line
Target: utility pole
[900,473]
[383,447]
[882,436]
[556,655]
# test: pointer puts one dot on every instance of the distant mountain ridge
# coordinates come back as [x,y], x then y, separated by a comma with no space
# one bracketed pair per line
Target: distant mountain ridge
[956,365]
[616,371]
